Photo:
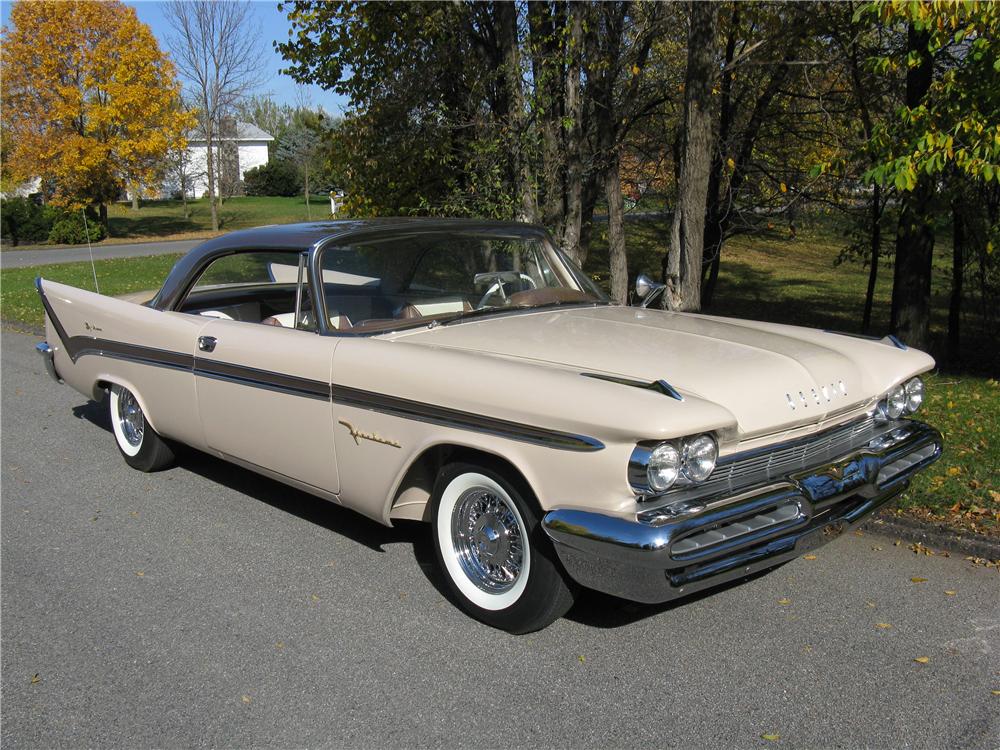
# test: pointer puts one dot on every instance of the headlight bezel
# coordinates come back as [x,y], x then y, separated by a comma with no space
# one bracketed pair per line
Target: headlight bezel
[645,457]
[902,400]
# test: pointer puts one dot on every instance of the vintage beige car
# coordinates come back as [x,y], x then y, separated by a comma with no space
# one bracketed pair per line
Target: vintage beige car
[468,375]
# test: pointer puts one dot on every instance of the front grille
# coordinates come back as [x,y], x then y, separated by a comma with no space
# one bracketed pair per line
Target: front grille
[763,464]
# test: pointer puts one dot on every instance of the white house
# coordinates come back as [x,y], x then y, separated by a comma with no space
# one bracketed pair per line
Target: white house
[239,146]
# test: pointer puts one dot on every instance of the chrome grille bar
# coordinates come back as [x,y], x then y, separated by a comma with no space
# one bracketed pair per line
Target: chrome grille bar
[767,463]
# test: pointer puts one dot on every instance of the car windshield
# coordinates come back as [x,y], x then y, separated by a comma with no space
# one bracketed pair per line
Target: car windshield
[420,278]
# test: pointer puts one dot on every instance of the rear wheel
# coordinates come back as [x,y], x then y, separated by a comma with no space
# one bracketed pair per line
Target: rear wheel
[495,556]
[139,444]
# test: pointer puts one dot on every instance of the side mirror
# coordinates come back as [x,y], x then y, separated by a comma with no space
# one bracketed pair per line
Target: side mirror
[646,290]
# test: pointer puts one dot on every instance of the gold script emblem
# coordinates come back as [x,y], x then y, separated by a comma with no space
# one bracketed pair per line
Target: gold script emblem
[358,435]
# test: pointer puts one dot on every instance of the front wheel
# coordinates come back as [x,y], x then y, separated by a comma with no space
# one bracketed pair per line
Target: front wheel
[495,556]
[138,443]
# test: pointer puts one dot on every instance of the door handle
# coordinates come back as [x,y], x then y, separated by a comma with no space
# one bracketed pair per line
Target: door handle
[206,343]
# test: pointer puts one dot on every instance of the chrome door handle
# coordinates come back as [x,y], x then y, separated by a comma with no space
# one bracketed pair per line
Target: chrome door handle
[206,343]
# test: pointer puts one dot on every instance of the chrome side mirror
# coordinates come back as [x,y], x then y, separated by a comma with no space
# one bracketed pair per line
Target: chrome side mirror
[646,290]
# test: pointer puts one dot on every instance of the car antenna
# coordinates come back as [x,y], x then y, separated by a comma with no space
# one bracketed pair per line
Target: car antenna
[86,231]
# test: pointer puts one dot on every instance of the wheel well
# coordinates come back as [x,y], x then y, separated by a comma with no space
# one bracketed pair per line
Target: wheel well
[417,484]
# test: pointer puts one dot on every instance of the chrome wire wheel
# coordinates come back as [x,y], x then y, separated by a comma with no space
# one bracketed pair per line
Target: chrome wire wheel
[130,418]
[483,541]
[488,539]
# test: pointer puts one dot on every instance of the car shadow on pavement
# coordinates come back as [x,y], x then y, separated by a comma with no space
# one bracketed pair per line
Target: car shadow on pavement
[308,507]
[599,610]
[592,609]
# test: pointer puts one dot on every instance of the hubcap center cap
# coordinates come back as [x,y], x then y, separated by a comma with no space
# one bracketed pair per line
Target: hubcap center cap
[490,539]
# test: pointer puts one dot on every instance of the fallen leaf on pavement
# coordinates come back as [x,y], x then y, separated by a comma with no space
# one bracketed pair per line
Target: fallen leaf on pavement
[918,579]
[995,692]
[922,659]
[783,602]
[774,737]
[36,678]
[582,658]
[247,699]
[883,625]
[140,573]
[876,549]
[950,593]
[809,557]
[920,549]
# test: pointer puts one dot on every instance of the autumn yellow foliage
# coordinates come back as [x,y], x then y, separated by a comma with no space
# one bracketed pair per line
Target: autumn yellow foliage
[90,103]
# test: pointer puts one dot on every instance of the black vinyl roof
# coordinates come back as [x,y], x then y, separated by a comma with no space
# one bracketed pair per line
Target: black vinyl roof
[305,236]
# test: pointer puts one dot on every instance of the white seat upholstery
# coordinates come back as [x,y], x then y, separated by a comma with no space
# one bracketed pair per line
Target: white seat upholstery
[216,314]
[287,320]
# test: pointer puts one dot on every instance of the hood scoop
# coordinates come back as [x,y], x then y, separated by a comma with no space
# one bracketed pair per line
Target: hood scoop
[660,386]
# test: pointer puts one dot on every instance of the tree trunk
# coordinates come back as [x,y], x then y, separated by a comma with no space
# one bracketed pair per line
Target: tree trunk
[510,51]
[874,251]
[570,240]
[102,212]
[135,198]
[688,227]
[210,168]
[911,288]
[308,211]
[616,230]
[957,278]
[547,25]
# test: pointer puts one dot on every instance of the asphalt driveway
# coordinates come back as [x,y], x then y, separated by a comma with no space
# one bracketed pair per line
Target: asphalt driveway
[14,258]
[206,606]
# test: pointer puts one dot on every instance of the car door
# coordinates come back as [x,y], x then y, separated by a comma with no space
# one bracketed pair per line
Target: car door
[264,398]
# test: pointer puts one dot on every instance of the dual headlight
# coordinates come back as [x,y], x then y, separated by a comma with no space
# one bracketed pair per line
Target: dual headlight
[660,467]
[902,400]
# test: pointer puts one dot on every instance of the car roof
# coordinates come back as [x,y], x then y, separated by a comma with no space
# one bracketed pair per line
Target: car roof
[304,236]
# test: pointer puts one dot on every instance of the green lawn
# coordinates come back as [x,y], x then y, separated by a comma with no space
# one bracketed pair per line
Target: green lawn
[19,304]
[770,278]
[161,220]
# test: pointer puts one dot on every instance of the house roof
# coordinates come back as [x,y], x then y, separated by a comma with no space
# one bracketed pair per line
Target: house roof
[245,131]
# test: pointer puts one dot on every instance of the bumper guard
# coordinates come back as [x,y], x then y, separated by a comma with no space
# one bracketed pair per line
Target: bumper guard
[658,556]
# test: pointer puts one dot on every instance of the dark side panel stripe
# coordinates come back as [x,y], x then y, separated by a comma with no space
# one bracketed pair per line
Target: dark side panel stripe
[82,346]
[447,417]
[251,376]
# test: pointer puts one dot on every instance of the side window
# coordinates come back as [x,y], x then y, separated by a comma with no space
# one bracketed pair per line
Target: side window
[250,268]
[253,287]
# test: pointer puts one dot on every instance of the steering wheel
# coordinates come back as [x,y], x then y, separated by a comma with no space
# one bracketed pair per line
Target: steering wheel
[499,279]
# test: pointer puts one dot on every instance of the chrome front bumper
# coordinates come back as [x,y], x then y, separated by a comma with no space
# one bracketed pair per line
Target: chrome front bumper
[656,556]
[48,354]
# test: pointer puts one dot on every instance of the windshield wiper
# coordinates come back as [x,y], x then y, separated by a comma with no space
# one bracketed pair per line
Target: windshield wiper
[469,314]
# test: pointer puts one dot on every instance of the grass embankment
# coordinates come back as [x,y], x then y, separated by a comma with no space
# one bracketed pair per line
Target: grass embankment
[770,278]
[21,308]
[165,220]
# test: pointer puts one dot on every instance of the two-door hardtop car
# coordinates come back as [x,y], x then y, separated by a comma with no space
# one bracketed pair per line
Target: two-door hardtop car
[467,374]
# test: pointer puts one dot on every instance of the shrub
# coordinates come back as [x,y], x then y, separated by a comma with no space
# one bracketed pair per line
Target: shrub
[71,230]
[24,220]
[273,178]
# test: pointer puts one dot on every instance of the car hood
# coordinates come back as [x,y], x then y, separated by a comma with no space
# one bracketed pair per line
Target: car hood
[768,376]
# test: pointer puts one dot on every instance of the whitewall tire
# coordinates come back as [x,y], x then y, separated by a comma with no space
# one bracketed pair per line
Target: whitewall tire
[495,557]
[139,444]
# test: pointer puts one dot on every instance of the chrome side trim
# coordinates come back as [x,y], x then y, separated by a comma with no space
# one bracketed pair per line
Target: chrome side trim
[446,417]
[48,354]
[80,346]
[660,386]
